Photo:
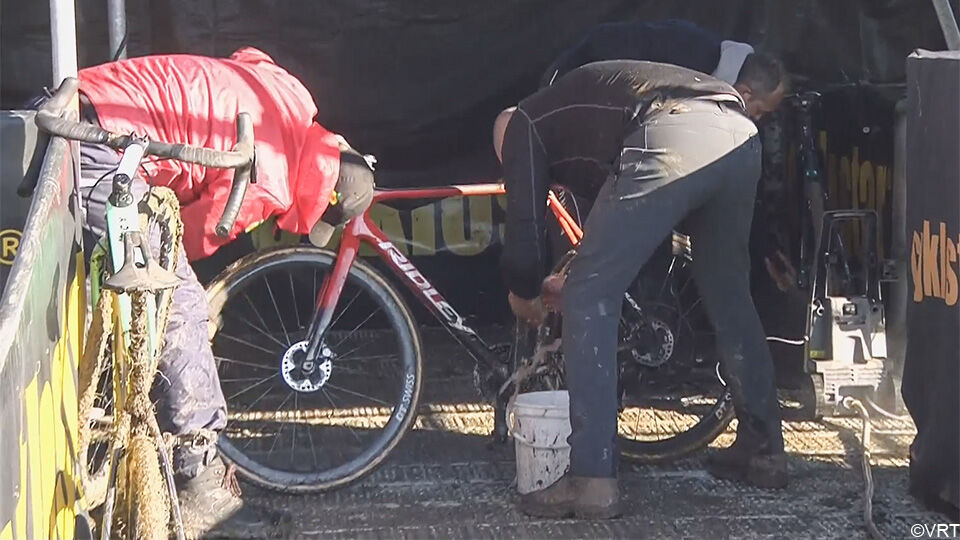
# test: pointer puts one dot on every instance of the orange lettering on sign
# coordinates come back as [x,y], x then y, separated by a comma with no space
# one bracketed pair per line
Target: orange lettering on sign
[916,267]
[931,277]
[933,265]
[949,255]
[943,259]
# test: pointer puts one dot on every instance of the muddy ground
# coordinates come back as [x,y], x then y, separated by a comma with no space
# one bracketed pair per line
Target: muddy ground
[447,481]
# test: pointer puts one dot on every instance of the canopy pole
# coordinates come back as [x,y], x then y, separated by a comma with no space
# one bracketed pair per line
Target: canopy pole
[63,38]
[948,24]
[63,35]
[117,17]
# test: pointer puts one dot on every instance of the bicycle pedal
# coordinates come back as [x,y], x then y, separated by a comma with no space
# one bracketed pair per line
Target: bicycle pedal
[133,276]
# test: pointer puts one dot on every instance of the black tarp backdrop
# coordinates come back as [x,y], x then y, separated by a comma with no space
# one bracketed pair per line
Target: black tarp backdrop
[931,376]
[418,82]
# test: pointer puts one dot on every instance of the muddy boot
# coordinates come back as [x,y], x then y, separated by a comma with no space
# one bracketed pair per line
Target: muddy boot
[574,496]
[729,463]
[750,464]
[768,471]
[212,508]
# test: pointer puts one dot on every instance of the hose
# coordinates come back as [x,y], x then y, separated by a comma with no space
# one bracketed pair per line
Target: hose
[856,405]
[787,341]
[885,413]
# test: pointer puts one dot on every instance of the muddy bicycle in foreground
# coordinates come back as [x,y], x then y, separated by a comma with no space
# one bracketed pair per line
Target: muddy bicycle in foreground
[124,457]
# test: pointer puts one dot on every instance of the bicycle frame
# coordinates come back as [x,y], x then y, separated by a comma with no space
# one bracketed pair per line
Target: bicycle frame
[122,217]
[363,229]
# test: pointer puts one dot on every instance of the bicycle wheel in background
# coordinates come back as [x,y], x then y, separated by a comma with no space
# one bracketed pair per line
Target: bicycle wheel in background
[673,400]
[298,427]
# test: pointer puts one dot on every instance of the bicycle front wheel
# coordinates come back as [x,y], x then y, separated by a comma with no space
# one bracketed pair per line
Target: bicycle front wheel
[298,426]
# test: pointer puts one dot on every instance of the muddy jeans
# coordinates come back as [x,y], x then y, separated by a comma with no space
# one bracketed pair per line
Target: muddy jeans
[700,162]
[187,391]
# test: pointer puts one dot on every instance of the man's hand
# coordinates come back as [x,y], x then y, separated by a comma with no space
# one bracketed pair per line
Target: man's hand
[530,311]
[535,310]
[550,291]
[781,271]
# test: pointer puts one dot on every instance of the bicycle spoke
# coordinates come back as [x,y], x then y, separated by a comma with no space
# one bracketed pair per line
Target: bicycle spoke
[685,285]
[357,327]
[238,362]
[293,442]
[368,358]
[378,373]
[277,308]
[245,342]
[258,329]
[361,372]
[282,425]
[334,403]
[247,443]
[656,422]
[358,394]
[293,296]
[252,386]
[267,391]
[347,354]
[684,314]
[342,313]
[666,278]
[246,410]
[256,311]
[313,448]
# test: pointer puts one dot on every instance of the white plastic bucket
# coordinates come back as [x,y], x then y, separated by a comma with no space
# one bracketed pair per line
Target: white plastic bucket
[540,425]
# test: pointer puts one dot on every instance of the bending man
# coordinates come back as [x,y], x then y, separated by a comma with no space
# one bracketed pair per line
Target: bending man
[673,144]
[302,170]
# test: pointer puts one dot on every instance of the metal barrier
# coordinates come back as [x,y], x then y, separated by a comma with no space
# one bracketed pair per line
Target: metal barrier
[41,325]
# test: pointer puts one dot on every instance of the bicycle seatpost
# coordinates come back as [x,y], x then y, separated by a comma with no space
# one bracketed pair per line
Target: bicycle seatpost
[122,214]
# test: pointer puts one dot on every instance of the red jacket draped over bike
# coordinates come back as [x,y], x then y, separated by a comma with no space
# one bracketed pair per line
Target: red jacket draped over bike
[195,100]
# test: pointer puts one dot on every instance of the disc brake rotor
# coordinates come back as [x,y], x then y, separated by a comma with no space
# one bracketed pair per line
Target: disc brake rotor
[304,376]
[662,349]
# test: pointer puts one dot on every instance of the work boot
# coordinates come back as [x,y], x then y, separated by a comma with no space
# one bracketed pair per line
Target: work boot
[574,496]
[750,464]
[212,508]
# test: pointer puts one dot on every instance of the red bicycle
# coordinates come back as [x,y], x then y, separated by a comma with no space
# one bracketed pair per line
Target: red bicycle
[323,389]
